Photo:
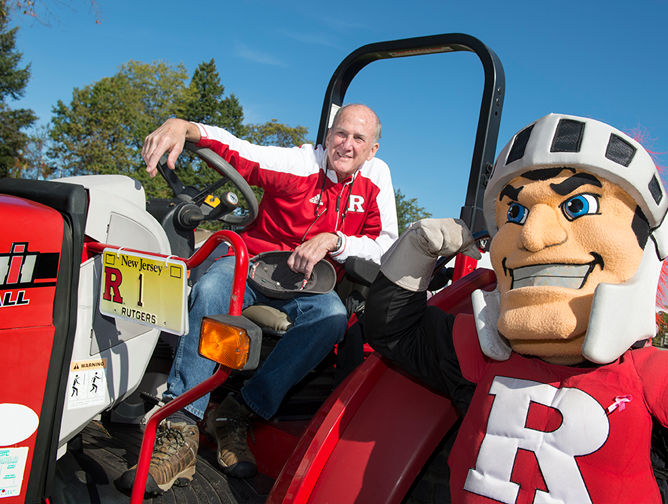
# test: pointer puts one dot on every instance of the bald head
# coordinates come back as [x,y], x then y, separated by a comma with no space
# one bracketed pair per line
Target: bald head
[352,140]
[362,109]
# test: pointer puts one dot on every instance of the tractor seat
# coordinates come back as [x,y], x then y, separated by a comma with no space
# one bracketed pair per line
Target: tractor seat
[272,321]
[355,285]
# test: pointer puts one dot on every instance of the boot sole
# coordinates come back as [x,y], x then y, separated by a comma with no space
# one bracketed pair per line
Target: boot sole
[181,479]
[127,481]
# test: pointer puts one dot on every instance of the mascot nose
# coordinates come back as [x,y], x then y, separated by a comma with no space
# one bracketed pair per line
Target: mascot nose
[542,229]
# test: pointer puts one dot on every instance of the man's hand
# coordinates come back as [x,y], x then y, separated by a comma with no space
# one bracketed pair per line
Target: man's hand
[170,137]
[306,255]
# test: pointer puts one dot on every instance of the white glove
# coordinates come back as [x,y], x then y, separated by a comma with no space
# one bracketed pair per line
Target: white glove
[410,261]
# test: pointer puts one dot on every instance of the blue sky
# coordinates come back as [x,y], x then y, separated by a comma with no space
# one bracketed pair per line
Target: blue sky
[605,60]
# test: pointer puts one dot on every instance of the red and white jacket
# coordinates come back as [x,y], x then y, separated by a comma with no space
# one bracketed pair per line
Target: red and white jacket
[302,198]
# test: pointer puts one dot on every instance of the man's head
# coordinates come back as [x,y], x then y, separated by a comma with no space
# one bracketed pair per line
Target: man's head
[576,210]
[352,140]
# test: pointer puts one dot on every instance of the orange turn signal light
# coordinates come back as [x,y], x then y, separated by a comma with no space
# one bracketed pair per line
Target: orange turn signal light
[223,343]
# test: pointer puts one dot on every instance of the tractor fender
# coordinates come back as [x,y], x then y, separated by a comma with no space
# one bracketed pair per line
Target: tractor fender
[369,441]
[375,433]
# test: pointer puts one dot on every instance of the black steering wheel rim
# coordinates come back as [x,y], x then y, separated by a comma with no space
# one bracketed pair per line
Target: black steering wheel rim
[227,171]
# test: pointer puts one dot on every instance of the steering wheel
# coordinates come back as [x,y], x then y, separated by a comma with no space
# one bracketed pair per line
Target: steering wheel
[227,172]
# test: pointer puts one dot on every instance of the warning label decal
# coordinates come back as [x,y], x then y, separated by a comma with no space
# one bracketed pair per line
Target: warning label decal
[87,384]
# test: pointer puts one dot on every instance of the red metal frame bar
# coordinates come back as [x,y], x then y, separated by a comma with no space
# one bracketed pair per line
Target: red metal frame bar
[463,266]
[221,374]
[173,406]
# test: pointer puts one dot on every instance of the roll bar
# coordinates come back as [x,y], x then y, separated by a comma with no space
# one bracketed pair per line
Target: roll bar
[490,107]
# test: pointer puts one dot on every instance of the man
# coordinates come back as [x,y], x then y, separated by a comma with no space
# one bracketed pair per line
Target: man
[565,395]
[320,203]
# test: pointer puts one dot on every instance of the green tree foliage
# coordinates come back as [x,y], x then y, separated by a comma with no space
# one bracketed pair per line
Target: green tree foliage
[35,160]
[103,128]
[101,131]
[275,133]
[205,103]
[408,210]
[13,80]
[39,11]
[661,338]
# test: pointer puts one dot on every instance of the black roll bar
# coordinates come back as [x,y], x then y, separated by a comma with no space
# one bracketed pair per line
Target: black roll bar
[490,107]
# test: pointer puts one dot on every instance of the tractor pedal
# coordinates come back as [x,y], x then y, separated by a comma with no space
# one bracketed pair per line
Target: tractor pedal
[151,399]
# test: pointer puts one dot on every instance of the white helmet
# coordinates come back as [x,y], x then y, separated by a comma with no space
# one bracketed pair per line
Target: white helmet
[621,314]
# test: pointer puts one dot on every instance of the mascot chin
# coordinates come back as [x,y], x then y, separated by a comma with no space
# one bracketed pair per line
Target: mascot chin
[566,386]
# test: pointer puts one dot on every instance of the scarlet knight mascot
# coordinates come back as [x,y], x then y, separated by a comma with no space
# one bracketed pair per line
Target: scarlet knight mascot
[566,387]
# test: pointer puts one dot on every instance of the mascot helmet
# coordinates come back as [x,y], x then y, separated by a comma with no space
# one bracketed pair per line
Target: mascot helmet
[621,314]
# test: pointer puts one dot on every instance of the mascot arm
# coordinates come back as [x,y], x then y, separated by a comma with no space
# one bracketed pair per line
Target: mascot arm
[410,261]
[399,325]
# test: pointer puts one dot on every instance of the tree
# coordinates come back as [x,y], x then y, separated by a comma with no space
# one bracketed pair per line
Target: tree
[35,163]
[661,338]
[102,130]
[13,81]
[275,133]
[205,103]
[39,11]
[408,210]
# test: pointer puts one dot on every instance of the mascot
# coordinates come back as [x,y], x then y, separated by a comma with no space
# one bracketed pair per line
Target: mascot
[566,386]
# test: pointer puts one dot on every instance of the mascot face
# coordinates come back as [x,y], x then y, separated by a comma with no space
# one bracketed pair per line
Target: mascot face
[561,232]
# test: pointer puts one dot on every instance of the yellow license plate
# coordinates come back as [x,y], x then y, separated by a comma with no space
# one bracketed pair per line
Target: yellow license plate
[144,289]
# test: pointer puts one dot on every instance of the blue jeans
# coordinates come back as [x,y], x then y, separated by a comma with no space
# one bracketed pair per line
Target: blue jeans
[319,322]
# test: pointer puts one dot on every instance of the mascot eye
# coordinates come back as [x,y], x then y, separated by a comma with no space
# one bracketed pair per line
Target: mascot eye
[517,213]
[577,206]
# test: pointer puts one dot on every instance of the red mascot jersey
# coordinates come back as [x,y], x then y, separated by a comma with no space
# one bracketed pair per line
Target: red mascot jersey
[544,433]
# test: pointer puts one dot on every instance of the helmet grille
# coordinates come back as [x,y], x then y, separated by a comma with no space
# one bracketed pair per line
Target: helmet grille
[655,190]
[520,145]
[568,137]
[619,150]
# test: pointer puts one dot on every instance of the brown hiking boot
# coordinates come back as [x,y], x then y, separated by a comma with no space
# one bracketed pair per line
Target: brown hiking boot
[229,425]
[173,460]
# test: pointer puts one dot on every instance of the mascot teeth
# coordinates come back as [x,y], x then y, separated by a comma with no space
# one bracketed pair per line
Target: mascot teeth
[569,276]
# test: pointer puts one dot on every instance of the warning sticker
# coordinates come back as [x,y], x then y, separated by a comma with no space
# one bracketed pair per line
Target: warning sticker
[88,364]
[87,384]
[12,465]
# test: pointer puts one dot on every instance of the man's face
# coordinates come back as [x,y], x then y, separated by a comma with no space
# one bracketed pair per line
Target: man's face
[350,141]
[558,239]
